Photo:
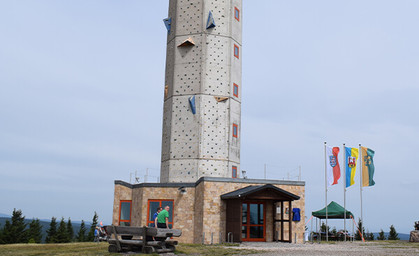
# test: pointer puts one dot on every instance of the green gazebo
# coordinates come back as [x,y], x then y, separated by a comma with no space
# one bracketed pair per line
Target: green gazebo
[334,211]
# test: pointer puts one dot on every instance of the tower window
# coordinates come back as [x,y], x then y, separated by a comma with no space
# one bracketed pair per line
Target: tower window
[236,13]
[235,130]
[236,51]
[236,90]
[234,172]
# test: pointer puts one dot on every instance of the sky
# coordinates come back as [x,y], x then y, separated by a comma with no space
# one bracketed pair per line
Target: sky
[81,101]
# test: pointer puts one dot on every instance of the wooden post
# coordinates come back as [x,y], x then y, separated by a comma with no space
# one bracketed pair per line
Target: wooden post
[290,221]
[118,245]
[144,238]
[274,220]
[282,221]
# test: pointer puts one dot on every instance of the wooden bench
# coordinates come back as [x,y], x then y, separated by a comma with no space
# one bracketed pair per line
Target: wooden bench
[140,239]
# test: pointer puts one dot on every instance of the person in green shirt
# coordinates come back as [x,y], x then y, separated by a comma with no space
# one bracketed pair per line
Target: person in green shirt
[163,218]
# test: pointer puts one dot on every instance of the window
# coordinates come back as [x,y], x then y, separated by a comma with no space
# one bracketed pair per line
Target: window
[234,172]
[236,51]
[235,130]
[236,90]
[153,204]
[236,13]
[125,213]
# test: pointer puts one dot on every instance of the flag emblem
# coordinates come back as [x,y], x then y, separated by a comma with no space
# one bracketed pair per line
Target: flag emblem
[332,161]
[351,161]
[367,160]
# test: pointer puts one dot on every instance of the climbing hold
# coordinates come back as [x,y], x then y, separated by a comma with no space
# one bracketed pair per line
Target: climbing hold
[220,99]
[187,42]
[192,104]
[211,21]
[166,91]
[168,24]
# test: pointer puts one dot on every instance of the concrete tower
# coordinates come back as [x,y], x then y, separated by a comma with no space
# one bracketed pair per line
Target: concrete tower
[202,94]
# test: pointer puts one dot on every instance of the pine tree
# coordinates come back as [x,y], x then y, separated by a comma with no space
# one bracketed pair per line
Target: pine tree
[70,231]
[360,229]
[369,236]
[35,231]
[381,235]
[81,235]
[52,231]
[393,235]
[62,235]
[91,235]
[14,232]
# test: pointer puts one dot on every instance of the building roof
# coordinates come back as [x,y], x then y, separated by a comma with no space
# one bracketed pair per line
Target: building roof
[211,179]
[252,190]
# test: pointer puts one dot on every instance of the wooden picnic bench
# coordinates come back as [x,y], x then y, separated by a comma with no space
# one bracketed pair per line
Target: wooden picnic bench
[141,239]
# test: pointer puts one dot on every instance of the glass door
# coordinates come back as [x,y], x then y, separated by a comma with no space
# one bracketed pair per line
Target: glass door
[253,221]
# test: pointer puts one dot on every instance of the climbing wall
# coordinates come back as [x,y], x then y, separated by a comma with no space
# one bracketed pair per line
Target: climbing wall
[202,90]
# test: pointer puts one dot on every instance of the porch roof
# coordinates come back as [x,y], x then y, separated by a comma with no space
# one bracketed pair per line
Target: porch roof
[268,191]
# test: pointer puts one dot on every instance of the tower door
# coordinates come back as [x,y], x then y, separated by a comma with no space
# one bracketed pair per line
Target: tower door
[253,222]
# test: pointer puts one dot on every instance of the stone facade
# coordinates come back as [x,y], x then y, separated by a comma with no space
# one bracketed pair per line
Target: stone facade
[199,212]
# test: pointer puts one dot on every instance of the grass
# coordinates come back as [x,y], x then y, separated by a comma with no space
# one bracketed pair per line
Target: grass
[99,249]
[76,249]
[209,250]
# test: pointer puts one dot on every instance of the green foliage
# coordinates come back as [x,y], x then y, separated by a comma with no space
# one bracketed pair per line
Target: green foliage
[369,236]
[323,227]
[360,228]
[52,231]
[31,241]
[393,235]
[81,235]
[14,232]
[35,232]
[70,231]
[91,235]
[381,235]
[62,235]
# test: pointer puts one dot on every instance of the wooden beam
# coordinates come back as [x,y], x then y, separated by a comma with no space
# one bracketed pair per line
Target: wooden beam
[290,221]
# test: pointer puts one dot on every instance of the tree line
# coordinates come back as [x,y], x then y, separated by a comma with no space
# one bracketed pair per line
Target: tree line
[17,231]
[393,235]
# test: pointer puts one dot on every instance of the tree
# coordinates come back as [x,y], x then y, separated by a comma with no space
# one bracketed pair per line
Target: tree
[52,231]
[35,231]
[70,231]
[393,235]
[381,235]
[91,235]
[369,236]
[14,232]
[62,235]
[81,235]
[323,228]
[360,229]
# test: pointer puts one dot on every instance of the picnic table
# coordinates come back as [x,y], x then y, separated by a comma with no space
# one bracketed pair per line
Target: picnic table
[141,239]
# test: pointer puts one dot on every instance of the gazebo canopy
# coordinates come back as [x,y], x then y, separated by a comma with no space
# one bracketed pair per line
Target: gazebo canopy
[334,211]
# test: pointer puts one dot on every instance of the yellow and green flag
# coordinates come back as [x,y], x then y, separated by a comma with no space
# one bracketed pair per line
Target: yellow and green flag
[351,157]
[367,167]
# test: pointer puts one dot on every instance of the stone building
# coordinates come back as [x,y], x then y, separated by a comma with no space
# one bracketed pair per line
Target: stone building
[200,163]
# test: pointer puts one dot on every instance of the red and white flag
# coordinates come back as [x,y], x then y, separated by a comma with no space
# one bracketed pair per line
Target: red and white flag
[332,166]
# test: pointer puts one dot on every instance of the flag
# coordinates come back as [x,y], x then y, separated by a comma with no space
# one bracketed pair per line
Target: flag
[367,167]
[351,156]
[332,166]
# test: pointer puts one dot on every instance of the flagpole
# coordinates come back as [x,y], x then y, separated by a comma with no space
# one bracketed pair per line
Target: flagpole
[325,185]
[360,188]
[344,190]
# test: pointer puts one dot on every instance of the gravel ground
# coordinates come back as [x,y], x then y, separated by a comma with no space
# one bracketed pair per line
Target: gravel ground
[339,248]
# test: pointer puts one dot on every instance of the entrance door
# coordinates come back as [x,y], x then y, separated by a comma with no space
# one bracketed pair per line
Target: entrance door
[253,222]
